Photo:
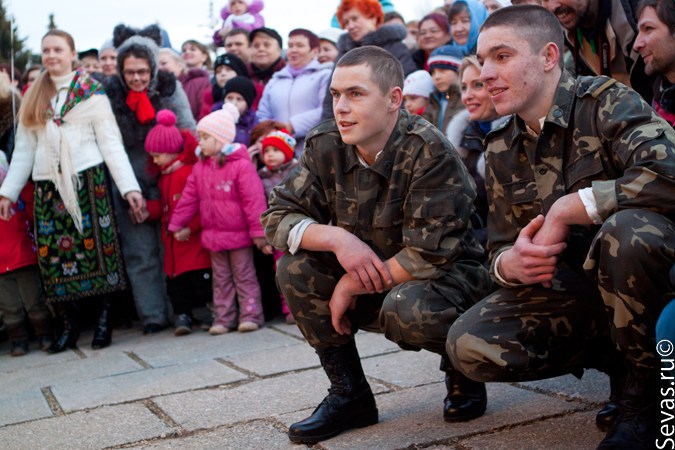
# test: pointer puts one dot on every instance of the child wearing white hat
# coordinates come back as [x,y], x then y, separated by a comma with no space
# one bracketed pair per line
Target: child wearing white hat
[416,90]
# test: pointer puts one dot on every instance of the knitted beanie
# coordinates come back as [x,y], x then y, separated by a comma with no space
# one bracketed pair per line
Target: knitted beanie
[233,62]
[221,124]
[418,83]
[281,140]
[445,57]
[164,137]
[243,86]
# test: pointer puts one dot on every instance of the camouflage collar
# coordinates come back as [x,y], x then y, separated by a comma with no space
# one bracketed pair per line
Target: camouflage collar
[563,102]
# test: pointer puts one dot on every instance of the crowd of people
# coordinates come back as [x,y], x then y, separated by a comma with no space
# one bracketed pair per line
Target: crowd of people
[493,182]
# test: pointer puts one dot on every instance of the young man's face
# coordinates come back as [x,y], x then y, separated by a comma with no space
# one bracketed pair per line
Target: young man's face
[655,44]
[361,110]
[570,13]
[512,73]
[238,45]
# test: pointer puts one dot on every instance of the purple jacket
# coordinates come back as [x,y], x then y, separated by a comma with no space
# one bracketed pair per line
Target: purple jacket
[230,200]
[271,178]
[195,82]
[297,100]
[244,126]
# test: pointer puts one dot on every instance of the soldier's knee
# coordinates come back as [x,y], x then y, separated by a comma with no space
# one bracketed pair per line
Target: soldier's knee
[472,354]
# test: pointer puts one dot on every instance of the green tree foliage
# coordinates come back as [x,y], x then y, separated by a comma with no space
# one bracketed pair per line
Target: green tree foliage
[9,36]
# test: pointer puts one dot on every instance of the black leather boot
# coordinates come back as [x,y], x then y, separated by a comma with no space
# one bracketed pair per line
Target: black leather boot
[103,333]
[349,404]
[466,399]
[70,332]
[636,427]
[609,413]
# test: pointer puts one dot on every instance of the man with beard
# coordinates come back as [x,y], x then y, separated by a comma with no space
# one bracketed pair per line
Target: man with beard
[656,45]
[600,34]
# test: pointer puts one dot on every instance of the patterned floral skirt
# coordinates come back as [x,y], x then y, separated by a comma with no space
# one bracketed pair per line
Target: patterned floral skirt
[75,265]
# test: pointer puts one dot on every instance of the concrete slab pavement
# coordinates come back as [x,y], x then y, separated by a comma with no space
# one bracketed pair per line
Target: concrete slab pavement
[241,391]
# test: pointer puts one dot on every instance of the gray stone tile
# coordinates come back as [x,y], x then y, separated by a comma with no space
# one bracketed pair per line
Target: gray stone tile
[29,405]
[253,435]
[277,360]
[593,386]
[405,369]
[370,344]
[255,400]
[159,351]
[33,360]
[574,431]
[414,417]
[144,384]
[99,428]
[97,365]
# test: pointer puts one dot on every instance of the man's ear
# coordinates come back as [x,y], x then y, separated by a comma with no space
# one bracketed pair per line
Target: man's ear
[552,55]
[395,99]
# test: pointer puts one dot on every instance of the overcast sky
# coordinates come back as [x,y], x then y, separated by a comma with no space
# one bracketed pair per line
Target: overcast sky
[91,22]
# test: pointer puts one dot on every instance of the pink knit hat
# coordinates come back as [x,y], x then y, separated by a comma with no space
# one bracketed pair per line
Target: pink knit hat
[164,137]
[221,124]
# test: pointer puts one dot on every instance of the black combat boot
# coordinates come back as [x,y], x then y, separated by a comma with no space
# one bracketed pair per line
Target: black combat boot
[466,399]
[70,332]
[349,404]
[103,333]
[636,427]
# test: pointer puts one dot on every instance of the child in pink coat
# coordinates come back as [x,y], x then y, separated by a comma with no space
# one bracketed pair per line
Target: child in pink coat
[228,194]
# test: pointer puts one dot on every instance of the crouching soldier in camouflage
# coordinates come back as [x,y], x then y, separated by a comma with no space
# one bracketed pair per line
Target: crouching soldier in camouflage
[581,190]
[376,223]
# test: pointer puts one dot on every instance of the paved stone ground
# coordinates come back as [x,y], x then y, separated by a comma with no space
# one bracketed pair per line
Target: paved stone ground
[241,391]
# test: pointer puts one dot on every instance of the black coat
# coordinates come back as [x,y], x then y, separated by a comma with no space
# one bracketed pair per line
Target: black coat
[165,93]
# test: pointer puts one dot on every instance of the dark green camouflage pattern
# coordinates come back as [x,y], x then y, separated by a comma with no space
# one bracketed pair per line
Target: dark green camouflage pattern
[602,135]
[414,203]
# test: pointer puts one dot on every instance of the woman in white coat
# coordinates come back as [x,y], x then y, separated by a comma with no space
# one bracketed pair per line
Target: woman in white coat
[66,137]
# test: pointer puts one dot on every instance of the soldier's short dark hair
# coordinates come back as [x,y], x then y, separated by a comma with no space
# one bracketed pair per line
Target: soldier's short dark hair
[665,11]
[534,23]
[385,70]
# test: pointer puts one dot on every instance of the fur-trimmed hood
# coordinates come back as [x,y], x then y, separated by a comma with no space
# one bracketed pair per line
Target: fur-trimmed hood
[139,43]
[381,37]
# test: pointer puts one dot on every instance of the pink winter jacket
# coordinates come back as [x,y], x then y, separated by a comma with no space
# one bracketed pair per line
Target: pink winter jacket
[230,200]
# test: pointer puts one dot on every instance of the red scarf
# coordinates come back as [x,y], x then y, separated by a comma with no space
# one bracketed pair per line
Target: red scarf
[139,103]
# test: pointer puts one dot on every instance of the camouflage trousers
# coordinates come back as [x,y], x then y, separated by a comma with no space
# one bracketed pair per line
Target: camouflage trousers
[415,315]
[532,332]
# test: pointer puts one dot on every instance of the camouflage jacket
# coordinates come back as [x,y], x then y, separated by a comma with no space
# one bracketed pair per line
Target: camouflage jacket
[414,203]
[598,134]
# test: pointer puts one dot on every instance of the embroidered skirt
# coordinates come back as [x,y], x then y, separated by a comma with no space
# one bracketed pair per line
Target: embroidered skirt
[74,265]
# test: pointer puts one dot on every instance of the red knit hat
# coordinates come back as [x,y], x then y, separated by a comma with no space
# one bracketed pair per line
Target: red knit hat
[164,137]
[281,140]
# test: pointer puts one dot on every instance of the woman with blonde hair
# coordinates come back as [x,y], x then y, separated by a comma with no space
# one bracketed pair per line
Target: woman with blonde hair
[67,136]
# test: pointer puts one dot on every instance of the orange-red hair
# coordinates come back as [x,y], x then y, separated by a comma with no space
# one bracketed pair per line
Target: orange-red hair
[369,8]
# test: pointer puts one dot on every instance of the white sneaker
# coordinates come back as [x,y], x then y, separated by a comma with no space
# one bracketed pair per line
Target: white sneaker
[218,329]
[247,326]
